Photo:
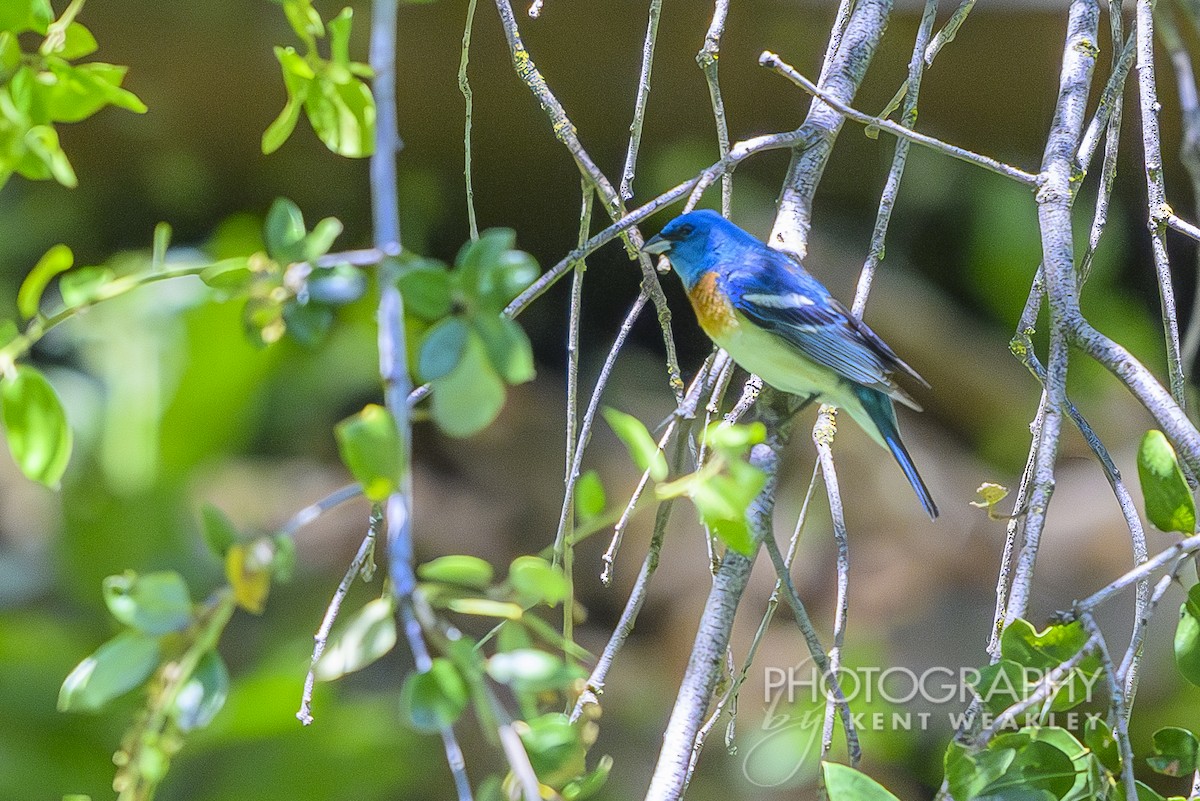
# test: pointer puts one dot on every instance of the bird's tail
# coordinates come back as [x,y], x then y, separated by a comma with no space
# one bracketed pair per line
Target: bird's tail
[878,407]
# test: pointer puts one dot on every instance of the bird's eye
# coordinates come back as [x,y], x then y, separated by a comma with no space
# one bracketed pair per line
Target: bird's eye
[683,230]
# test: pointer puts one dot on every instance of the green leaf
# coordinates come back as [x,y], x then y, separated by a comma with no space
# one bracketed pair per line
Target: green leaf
[508,276]
[371,447]
[203,694]
[531,670]
[425,287]
[508,347]
[589,495]
[284,232]
[466,571]
[555,747]
[229,274]
[442,348]
[220,534]
[735,438]
[307,323]
[1036,765]
[78,92]
[77,42]
[722,502]
[1169,502]
[156,603]
[162,241]
[478,259]
[339,38]
[1176,752]
[85,285]
[432,701]
[321,238]
[641,446]
[117,666]
[56,260]
[587,786]
[19,16]
[36,426]
[282,126]
[304,19]
[468,399]
[1099,739]
[42,141]
[368,635]
[1000,685]
[343,116]
[537,581]
[1044,649]
[844,783]
[1187,637]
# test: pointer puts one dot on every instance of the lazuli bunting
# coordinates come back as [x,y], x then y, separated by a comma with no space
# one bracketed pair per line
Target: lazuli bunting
[781,324]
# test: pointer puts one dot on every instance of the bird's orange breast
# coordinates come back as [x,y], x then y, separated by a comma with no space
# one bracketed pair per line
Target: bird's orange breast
[713,310]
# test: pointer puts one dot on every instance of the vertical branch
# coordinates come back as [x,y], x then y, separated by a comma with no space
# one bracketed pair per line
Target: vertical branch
[887,200]
[464,86]
[1054,220]
[707,59]
[568,547]
[393,361]
[639,107]
[1189,151]
[1156,192]
[840,78]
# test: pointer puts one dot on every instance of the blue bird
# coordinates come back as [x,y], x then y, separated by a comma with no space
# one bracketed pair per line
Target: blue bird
[781,324]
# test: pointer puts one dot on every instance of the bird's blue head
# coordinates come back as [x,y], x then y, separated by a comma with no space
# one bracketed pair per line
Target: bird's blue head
[694,241]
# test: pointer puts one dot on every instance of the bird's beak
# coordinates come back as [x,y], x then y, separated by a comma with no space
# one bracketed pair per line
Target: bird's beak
[656,245]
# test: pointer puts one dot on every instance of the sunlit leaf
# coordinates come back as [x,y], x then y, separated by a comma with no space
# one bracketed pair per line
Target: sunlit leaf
[29,297]
[36,426]
[589,495]
[537,581]
[641,446]
[371,448]
[531,670]
[461,569]
[85,285]
[844,783]
[1169,502]
[368,635]
[1187,637]
[117,666]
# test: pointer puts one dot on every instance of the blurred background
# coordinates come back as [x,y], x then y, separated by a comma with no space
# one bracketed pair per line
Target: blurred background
[174,407]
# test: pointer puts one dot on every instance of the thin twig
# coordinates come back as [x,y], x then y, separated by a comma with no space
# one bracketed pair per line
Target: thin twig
[633,604]
[1118,711]
[464,86]
[639,106]
[589,416]
[331,612]
[707,59]
[314,510]
[1054,220]
[565,132]
[1156,194]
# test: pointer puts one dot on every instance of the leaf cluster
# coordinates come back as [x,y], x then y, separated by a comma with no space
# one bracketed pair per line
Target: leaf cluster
[43,88]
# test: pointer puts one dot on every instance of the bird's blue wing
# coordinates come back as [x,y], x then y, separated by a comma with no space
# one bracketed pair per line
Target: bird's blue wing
[775,292]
